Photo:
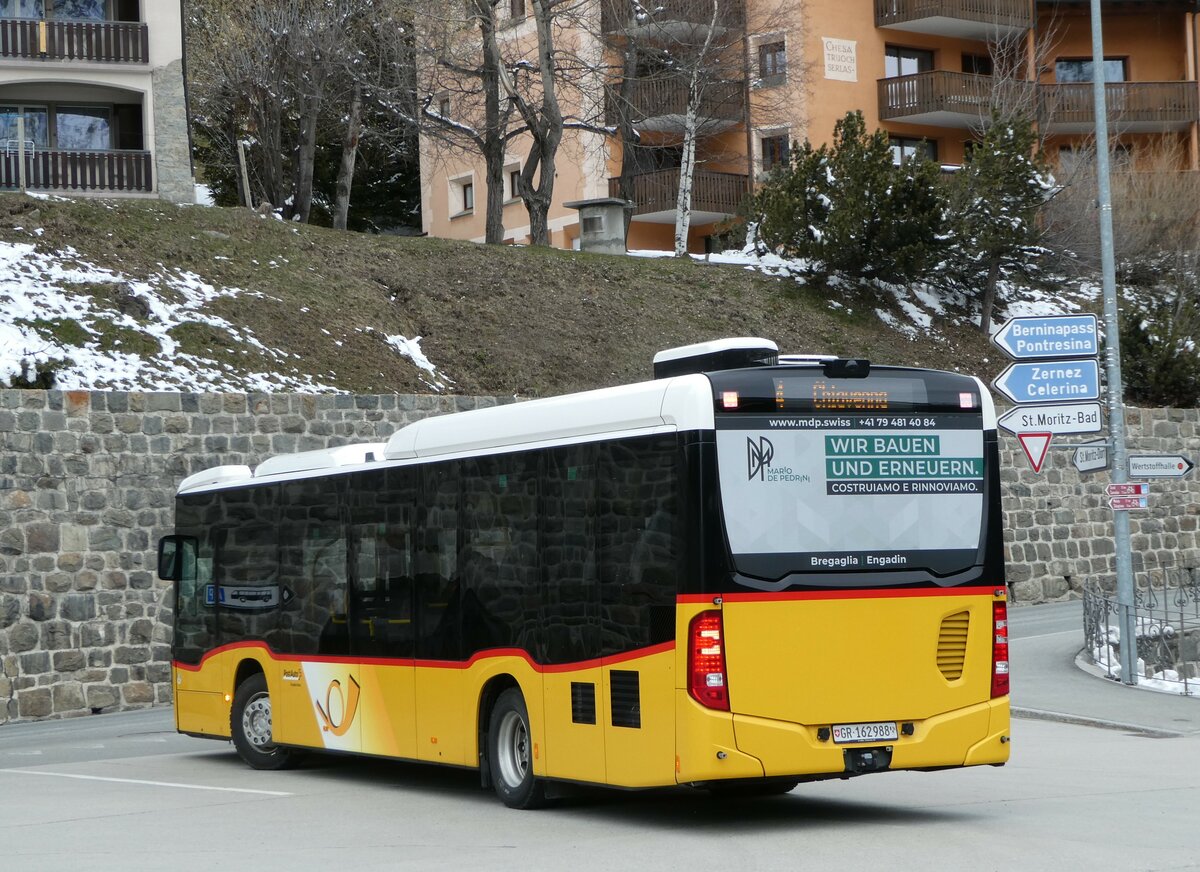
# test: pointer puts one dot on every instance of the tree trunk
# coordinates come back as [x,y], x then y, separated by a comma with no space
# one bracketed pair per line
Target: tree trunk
[687,172]
[306,158]
[492,146]
[546,128]
[493,170]
[345,180]
[989,297]
[687,168]
[628,135]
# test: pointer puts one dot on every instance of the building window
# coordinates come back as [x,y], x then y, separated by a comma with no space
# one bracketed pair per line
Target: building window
[1081,70]
[444,107]
[516,8]
[74,10]
[37,127]
[514,184]
[468,196]
[774,151]
[772,63]
[904,148]
[83,128]
[900,61]
[980,65]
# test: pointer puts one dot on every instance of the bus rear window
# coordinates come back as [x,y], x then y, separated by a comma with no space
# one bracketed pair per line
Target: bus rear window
[854,477]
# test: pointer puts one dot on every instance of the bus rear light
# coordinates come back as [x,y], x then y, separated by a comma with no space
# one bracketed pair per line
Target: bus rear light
[729,399]
[706,661]
[999,649]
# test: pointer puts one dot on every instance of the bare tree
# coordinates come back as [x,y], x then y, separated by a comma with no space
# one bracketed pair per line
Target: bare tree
[682,73]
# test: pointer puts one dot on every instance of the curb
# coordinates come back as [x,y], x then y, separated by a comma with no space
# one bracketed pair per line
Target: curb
[1063,718]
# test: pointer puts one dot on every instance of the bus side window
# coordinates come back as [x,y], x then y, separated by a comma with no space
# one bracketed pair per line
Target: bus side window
[382,505]
[437,583]
[570,623]
[313,567]
[639,542]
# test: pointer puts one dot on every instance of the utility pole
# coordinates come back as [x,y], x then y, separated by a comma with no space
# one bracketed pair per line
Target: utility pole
[1112,360]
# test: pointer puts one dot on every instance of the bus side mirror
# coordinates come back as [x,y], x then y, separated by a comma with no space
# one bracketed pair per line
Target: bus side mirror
[171,550]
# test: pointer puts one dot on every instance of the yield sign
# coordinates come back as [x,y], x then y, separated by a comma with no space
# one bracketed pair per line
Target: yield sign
[1035,446]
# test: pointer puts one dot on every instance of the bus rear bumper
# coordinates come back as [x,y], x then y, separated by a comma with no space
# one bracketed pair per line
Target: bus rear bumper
[970,736]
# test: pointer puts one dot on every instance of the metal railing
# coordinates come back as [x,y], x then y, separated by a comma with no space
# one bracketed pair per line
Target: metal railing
[659,191]
[77,171]
[1167,617]
[618,15]
[126,42]
[1008,13]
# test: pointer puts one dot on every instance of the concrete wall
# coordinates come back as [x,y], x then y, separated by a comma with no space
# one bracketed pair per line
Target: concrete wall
[87,481]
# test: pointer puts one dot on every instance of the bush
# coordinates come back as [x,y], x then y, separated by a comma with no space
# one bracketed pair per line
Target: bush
[848,209]
[1160,362]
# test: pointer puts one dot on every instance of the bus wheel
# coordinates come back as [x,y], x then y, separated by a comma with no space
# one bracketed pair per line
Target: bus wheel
[510,753]
[250,726]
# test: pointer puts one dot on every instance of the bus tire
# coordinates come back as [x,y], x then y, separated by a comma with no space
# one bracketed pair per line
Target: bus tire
[250,726]
[510,753]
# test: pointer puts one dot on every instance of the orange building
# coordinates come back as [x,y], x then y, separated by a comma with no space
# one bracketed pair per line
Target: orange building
[926,71]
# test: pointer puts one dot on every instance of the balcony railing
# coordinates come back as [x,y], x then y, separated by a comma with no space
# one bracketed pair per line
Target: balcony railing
[970,19]
[946,99]
[660,105]
[659,191]
[626,16]
[78,171]
[1136,107]
[123,42]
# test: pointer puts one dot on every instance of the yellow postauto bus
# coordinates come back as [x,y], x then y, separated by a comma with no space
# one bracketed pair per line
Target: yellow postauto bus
[752,571]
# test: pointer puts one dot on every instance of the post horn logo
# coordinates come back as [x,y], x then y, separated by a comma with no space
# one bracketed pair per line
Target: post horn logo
[759,455]
[347,703]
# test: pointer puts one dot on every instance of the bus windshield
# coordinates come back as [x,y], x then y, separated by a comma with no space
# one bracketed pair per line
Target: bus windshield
[846,482]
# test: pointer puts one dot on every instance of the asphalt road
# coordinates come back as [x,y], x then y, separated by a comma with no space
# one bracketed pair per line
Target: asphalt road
[124,792]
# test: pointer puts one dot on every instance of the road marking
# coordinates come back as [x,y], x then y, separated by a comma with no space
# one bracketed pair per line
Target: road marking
[1076,632]
[149,783]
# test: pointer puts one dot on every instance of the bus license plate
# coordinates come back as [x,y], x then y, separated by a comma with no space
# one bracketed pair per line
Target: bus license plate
[844,734]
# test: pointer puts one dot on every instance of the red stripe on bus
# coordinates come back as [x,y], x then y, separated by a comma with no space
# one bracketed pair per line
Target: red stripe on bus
[874,593]
[488,654]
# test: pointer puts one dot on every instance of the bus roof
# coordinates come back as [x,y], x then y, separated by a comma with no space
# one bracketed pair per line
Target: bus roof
[678,403]
[682,403]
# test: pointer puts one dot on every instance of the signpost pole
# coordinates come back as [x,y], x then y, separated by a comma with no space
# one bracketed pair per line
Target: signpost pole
[1112,360]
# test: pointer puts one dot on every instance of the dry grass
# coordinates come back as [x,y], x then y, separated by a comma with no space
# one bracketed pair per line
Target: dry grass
[495,320]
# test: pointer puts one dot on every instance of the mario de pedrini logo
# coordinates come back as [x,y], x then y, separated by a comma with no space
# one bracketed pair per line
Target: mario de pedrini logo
[759,454]
[760,464]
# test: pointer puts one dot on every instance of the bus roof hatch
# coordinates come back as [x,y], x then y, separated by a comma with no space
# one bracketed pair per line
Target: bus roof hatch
[719,354]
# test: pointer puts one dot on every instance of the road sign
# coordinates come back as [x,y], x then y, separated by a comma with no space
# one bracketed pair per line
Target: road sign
[1062,418]
[1029,337]
[1123,504]
[1159,466]
[1035,446]
[1050,381]
[1134,489]
[1091,456]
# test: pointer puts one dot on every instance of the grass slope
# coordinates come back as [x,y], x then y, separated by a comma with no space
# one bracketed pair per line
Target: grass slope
[494,320]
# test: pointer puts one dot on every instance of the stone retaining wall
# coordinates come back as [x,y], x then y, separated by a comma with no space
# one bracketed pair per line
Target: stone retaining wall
[87,481]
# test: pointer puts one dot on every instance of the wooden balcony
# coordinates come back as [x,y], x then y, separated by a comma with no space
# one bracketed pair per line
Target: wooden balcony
[78,172]
[118,42]
[943,99]
[660,106]
[714,195]
[962,19]
[1133,107]
[671,19]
